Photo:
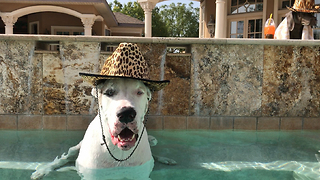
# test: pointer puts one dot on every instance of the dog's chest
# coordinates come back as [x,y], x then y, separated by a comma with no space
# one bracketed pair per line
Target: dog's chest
[94,154]
[141,172]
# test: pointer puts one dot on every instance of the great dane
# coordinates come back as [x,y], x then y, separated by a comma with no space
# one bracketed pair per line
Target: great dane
[116,144]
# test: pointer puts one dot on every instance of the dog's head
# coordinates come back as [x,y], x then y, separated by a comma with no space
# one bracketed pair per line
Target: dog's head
[123,105]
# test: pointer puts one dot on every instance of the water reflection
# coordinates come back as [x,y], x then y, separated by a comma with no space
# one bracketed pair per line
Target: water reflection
[302,170]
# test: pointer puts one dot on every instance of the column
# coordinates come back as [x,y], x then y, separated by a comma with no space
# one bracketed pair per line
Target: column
[9,22]
[147,8]
[87,23]
[221,17]
[201,32]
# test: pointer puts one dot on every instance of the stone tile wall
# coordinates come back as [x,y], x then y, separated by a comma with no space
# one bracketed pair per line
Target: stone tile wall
[218,85]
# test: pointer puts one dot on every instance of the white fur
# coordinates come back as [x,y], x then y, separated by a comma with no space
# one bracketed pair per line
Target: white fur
[92,155]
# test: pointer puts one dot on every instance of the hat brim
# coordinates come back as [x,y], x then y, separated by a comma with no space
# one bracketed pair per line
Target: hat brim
[152,85]
[304,10]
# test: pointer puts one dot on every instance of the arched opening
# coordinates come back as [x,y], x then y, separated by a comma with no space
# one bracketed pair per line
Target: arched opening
[46,19]
[49,23]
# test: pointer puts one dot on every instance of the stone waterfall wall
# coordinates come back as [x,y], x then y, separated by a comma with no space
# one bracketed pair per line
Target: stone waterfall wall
[250,85]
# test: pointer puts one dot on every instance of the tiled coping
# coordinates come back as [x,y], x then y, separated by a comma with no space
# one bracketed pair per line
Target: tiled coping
[171,41]
[81,122]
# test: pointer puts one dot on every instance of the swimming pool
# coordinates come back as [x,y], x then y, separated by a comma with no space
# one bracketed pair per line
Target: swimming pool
[219,155]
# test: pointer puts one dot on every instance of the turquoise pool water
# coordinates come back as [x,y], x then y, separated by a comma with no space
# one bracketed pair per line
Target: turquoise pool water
[218,155]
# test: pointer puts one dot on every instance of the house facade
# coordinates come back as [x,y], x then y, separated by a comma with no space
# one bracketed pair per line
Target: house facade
[217,18]
[65,17]
[243,18]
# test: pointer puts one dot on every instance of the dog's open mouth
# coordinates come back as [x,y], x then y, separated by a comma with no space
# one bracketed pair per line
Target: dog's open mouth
[125,140]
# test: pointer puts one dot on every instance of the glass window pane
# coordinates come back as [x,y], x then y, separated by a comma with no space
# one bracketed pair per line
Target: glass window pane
[317,1]
[233,2]
[234,10]
[245,6]
[242,9]
[240,36]
[291,3]
[251,8]
[240,27]
[285,4]
[250,35]
[233,36]
[259,7]
[318,18]
[241,2]
[258,35]
[316,33]
[258,25]
[233,27]
[251,26]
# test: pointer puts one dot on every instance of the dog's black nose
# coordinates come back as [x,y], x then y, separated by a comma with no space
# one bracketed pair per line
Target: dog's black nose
[126,114]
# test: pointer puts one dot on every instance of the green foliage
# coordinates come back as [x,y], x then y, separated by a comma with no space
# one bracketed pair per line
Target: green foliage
[167,21]
[159,27]
[181,21]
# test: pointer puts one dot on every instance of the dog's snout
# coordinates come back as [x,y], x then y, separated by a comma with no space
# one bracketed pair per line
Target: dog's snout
[126,114]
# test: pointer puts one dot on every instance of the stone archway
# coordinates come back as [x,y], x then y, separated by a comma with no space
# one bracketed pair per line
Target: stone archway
[9,18]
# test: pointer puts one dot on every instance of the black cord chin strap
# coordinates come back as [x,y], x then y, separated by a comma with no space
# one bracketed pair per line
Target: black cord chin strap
[104,138]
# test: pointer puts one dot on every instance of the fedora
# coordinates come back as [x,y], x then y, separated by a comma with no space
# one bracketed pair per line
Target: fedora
[125,62]
[306,6]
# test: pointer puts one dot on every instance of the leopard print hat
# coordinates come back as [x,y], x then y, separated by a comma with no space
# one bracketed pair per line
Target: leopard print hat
[305,6]
[125,62]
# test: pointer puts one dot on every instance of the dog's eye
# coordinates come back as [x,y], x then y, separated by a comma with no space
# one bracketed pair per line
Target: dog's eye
[139,93]
[110,92]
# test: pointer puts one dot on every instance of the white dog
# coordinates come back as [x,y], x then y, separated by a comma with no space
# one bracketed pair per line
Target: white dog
[116,143]
[123,104]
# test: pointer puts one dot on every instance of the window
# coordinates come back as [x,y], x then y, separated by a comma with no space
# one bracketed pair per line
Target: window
[283,4]
[245,6]
[64,30]
[57,32]
[236,29]
[255,28]
[67,30]
[245,20]
[252,26]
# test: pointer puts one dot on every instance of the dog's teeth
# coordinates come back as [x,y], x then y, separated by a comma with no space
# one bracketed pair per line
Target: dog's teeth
[126,140]
[132,137]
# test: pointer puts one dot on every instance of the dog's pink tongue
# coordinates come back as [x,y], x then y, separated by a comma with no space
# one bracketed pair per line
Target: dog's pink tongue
[124,145]
[125,140]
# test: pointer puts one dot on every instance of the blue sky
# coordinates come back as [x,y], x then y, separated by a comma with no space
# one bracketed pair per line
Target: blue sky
[195,3]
